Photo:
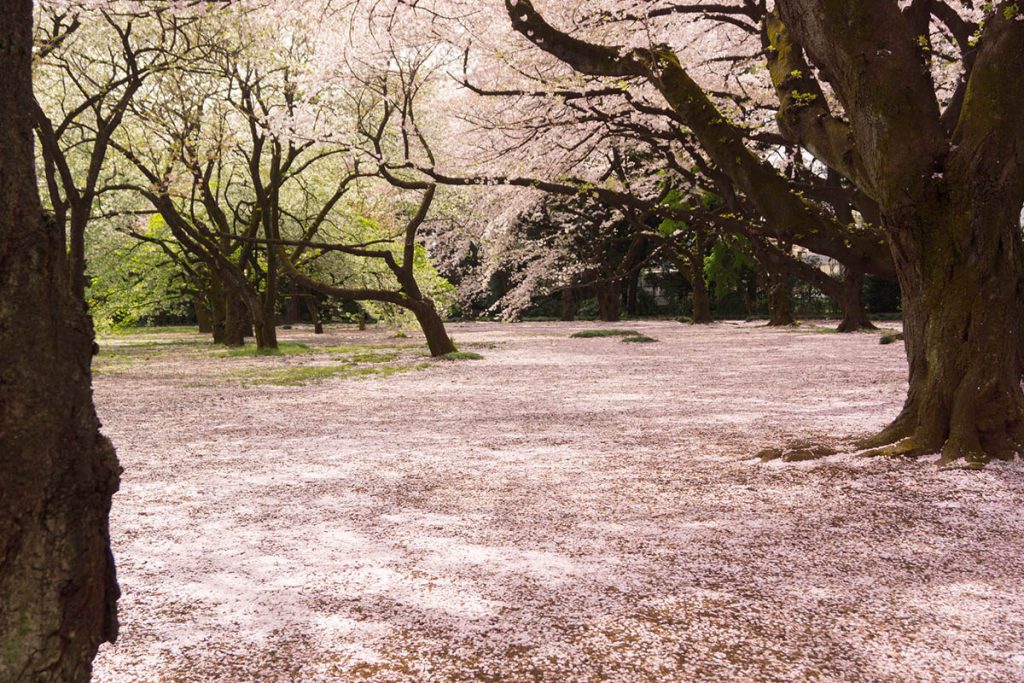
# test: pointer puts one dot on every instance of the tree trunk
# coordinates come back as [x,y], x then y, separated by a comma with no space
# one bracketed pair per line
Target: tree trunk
[58,589]
[237,320]
[568,305]
[76,250]
[204,316]
[963,316]
[701,301]
[608,301]
[851,302]
[633,293]
[780,306]
[433,328]
[265,328]
[314,315]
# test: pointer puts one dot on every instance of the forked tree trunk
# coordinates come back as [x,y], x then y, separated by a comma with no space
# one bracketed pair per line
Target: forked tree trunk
[58,590]
[433,328]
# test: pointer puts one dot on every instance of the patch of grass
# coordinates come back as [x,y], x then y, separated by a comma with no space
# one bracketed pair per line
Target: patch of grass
[890,338]
[314,374]
[132,348]
[589,334]
[155,329]
[462,355]
[639,339]
[368,348]
[374,357]
[283,349]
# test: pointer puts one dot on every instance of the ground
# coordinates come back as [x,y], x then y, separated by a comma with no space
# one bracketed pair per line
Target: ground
[566,509]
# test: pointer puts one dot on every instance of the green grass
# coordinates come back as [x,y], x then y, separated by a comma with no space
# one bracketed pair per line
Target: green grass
[589,334]
[374,357]
[283,349]
[462,355]
[368,348]
[155,329]
[639,339]
[314,374]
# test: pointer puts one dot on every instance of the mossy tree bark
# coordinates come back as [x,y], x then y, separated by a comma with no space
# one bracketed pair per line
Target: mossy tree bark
[58,589]
[950,187]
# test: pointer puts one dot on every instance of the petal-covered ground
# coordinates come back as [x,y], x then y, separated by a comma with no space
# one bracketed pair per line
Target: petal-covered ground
[563,510]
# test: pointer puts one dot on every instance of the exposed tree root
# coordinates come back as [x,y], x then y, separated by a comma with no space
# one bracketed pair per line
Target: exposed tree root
[797,451]
[905,448]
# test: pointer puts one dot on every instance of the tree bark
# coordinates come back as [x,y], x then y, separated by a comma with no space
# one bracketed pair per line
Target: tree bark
[608,301]
[57,578]
[433,328]
[962,320]
[568,305]
[204,317]
[314,315]
[851,302]
[237,319]
[780,306]
[701,301]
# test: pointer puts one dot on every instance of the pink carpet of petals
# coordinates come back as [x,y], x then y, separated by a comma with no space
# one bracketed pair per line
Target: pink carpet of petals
[564,510]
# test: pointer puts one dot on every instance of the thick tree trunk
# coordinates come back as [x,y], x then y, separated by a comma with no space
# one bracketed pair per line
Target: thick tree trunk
[430,322]
[58,590]
[780,305]
[608,302]
[237,319]
[701,301]
[204,316]
[963,319]
[851,302]
[568,305]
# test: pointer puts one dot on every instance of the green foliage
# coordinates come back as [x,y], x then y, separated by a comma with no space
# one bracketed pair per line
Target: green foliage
[639,339]
[589,334]
[727,263]
[131,281]
[300,376]
[462,355]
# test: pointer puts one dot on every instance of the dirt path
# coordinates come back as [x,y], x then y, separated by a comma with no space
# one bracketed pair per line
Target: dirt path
[563,510]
